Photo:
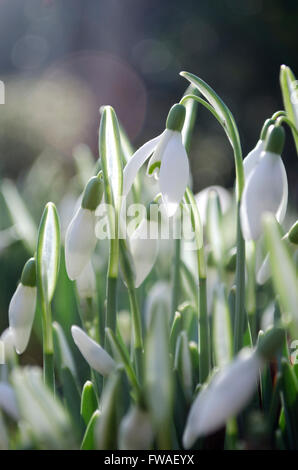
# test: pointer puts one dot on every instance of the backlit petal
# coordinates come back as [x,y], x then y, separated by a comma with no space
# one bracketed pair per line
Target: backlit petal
[136,161]
[94,354]
[174,173]
[21,315]
[80,242]
[225,396]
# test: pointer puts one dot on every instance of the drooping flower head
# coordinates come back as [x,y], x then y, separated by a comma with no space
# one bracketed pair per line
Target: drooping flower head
[266,189]
[22,307]
[168,162]
[230,389]
[80,239]
[253,157]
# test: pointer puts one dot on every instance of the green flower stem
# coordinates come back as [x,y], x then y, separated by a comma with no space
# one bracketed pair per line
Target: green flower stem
[111,302]
[176,277]
[188,126]
[287,121]
[239,320]
[112,176]
[277,114]
[134,306]
[229,125]
[48,345]
[251,288]
[203,333]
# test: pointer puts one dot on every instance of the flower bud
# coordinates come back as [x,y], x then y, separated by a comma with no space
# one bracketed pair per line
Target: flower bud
[224,397]
[135,430]
[22,307]
[94,354]
[80,241]
[176,117]
[93,193]
[275,139]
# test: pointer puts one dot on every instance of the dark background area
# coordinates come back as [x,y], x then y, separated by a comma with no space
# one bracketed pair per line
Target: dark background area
[128,53]
[61,60]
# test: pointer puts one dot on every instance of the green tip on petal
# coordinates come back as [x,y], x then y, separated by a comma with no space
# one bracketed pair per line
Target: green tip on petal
[28,277]
[93,193]
[265,128]
[293,233]
[275,139]
[270,343]
[176,117]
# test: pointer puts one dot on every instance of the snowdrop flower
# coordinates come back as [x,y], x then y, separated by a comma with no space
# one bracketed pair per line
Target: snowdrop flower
[7,339]
[86,282]
[160,294]
[266,189]
[264,273]
[94,354]
[143,246]
[230,389]
[201,198]
[8,401]
[136,431]
[80,239]
[253,157]
[168,162]
[22,307]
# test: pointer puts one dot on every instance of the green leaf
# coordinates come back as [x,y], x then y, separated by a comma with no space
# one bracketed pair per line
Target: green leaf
[119,351]
[283,274]
[20,215]
[175,330]
[111,155]
[222,330]
[106,432]
[63,355]
[72,398]
[183,364]
[41,411]
[289,390]
[88,401]
[159,388]
[48,251]
[213,225]
[289,89]
[195,218]
[89,442]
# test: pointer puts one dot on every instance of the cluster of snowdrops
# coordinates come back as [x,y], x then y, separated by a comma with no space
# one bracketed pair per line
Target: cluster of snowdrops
[185,347]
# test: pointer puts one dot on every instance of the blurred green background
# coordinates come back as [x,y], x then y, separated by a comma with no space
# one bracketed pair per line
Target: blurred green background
[61,60]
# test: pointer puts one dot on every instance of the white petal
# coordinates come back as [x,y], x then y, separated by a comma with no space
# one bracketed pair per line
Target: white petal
[174,173]
[8,400]
[264,191]
[21,314]
[225,396]
[134,164]
[94,354]
[281,212]
[136,431]
[143,250]
[201,198]
[86,282]
[80,242]
[253,158]
[159,294]
[159,151]
[264,272]
[7,338]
